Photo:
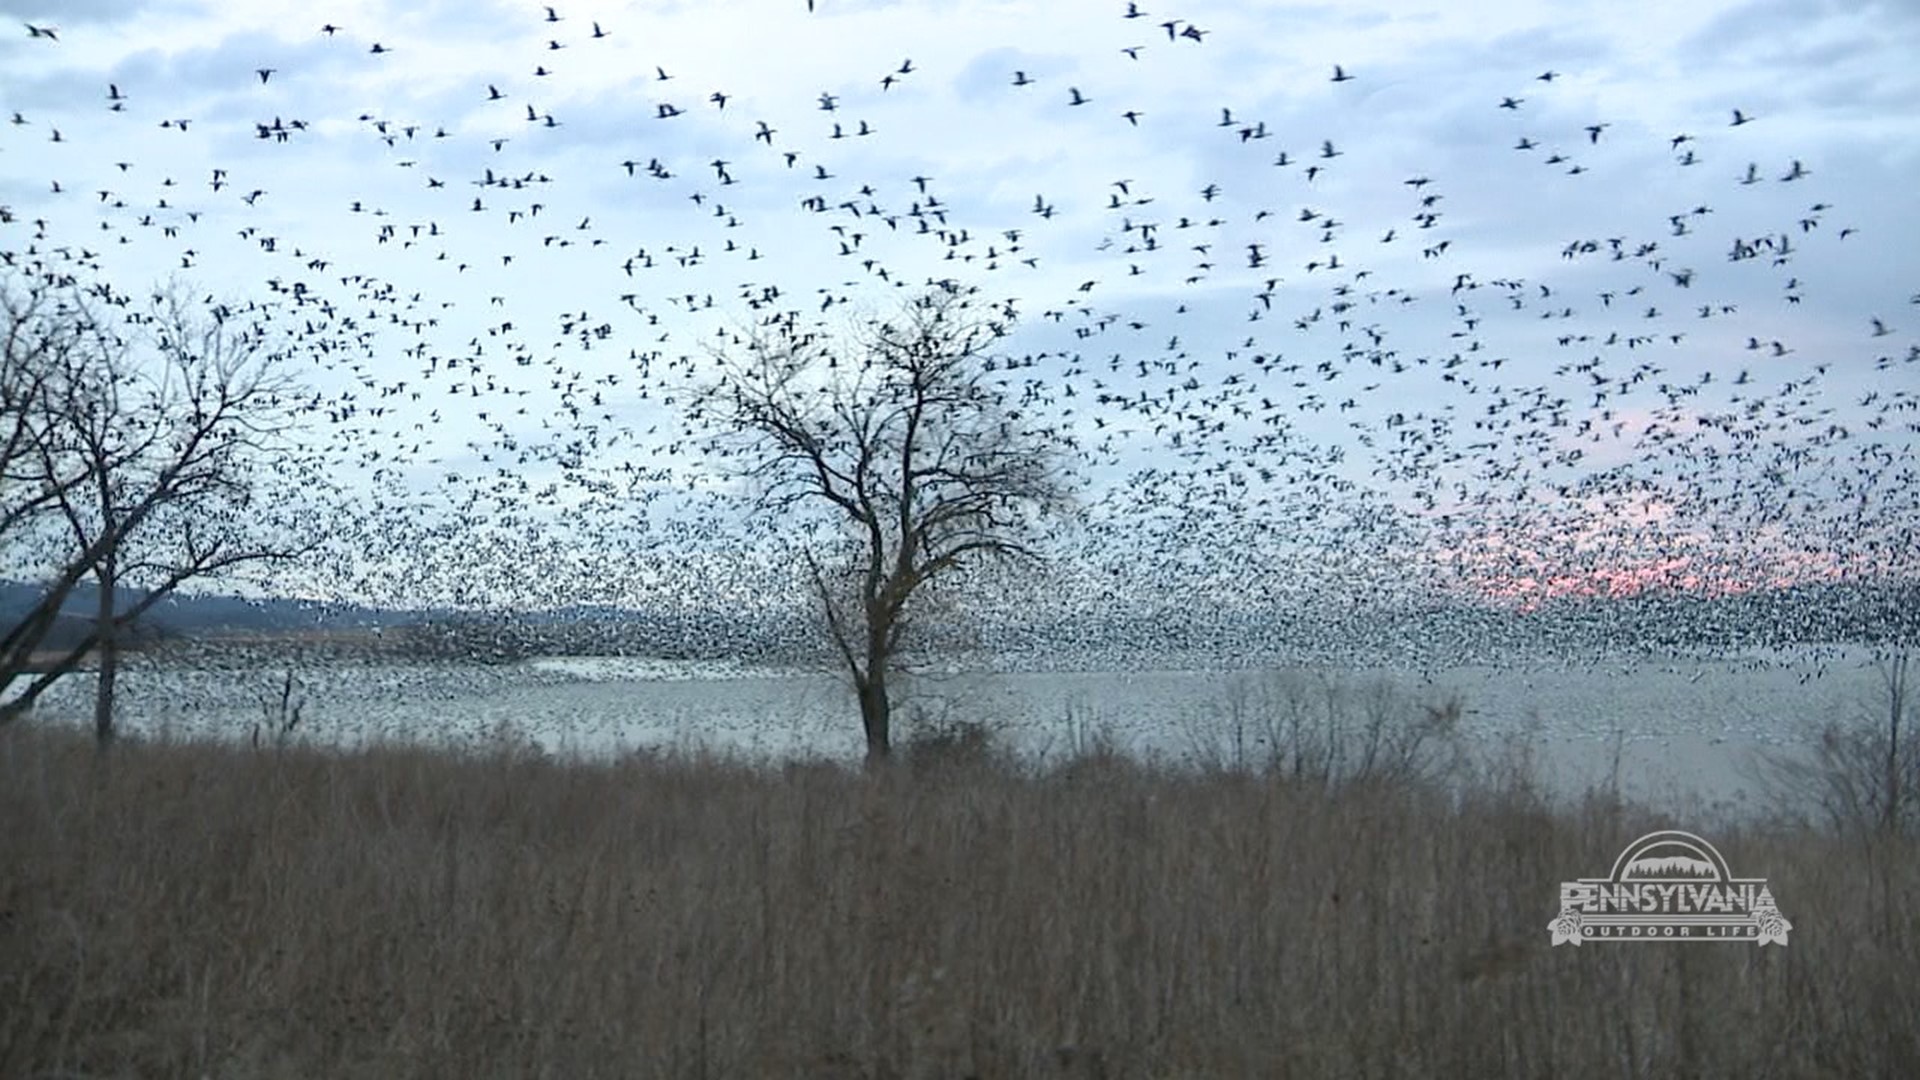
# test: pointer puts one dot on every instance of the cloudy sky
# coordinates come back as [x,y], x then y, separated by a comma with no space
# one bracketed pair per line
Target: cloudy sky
[1558,295]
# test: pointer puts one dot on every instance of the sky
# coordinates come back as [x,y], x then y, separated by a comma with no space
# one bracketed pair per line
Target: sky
[1338,299]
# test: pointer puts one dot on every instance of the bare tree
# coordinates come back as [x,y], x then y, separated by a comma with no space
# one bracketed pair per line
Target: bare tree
[133,438]
[902,445]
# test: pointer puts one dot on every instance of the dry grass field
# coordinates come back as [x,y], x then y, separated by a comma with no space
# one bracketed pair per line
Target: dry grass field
[201,909]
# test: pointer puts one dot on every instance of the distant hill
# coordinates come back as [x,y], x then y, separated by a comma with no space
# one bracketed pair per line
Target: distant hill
[191,615]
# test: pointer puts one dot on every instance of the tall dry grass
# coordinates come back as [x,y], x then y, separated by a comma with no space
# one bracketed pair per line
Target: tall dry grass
[207,910]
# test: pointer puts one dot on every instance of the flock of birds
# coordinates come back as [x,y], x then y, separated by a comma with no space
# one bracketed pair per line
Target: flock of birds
[1302,375]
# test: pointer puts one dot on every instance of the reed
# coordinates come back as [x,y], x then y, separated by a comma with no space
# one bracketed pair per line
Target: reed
[207,909]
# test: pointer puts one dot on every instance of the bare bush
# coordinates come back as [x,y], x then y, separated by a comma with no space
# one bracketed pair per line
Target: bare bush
[1858,775]
[1324,729]
[280,715]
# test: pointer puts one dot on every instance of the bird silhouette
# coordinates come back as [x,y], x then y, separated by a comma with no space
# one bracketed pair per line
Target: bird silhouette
[1442,344]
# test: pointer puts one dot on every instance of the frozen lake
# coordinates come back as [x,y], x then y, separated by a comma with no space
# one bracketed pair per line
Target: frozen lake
[1681,727]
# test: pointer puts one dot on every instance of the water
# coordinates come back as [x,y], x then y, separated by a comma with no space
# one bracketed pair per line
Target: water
[1683,731]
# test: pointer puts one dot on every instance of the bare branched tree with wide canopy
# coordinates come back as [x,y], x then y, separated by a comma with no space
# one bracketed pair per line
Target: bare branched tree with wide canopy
[903,445]
[132,436]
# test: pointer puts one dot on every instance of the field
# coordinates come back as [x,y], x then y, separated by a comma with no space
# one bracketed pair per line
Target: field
[195,908]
